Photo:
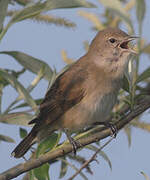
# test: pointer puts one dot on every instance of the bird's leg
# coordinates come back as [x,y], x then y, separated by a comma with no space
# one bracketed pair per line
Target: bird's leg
[75,144]
[113,128]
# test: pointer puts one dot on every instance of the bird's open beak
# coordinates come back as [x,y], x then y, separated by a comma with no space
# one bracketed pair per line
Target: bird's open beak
[124,44]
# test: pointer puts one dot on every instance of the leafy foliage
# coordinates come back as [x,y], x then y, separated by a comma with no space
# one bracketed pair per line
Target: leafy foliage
[42,172]
[47,144]
[23,133]
[30,63]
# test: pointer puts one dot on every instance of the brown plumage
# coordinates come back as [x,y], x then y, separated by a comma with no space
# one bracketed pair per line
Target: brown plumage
[85,93]
[63,95]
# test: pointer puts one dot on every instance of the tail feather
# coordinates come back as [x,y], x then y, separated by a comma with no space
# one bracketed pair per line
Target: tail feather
[25,144]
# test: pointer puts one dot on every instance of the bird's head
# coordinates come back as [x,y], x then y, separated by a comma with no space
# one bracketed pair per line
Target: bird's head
[110,50]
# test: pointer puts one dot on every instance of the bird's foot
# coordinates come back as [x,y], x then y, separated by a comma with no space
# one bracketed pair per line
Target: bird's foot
[75,144]
[113,128]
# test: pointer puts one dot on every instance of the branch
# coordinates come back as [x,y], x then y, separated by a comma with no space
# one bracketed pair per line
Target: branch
[139,108]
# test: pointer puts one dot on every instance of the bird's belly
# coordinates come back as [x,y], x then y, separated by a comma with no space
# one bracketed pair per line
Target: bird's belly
[102,107]
[88,111]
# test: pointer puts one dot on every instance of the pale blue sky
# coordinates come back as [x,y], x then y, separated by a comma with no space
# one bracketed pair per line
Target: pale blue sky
[46,42]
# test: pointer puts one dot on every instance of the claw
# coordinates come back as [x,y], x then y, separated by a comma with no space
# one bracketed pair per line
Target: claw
[113,128]
[75,144]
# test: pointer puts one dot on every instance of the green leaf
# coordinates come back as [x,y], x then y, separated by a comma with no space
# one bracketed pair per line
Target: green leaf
[23,132]
[125,84]
[47,144]
[3,12]
[106,158]
[6,139]
[3,81]
[41,173]
[31,175]
[28,12]
[37,101]
[36,79]
[140,10]
[19,88]
[53,4]
[63,169]
[146,177]
[19,118]
[14,73]
[143,76]
[32,64]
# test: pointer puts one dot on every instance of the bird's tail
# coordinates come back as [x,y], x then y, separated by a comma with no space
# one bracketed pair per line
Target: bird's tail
[25,144]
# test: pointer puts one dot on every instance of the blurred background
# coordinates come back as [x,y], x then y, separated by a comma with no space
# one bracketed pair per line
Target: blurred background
[58,37]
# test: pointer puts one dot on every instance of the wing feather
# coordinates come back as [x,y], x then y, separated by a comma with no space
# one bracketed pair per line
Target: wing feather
[67,91]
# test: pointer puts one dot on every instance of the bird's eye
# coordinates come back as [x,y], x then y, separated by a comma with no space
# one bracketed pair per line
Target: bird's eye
[112,40]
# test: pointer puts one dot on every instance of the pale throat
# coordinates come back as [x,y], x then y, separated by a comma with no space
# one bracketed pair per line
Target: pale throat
[118,63]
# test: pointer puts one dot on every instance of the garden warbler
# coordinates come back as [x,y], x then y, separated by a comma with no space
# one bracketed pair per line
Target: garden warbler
[85,93]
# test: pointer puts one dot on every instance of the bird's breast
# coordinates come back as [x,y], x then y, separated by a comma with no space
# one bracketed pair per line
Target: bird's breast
[99,106]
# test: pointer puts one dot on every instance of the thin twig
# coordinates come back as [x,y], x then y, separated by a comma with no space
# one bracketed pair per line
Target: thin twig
[91,159]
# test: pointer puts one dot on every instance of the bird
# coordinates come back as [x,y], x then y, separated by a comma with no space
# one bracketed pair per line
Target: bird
[85,93]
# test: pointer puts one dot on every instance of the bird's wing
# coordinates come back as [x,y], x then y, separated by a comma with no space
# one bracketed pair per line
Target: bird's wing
[67,91]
